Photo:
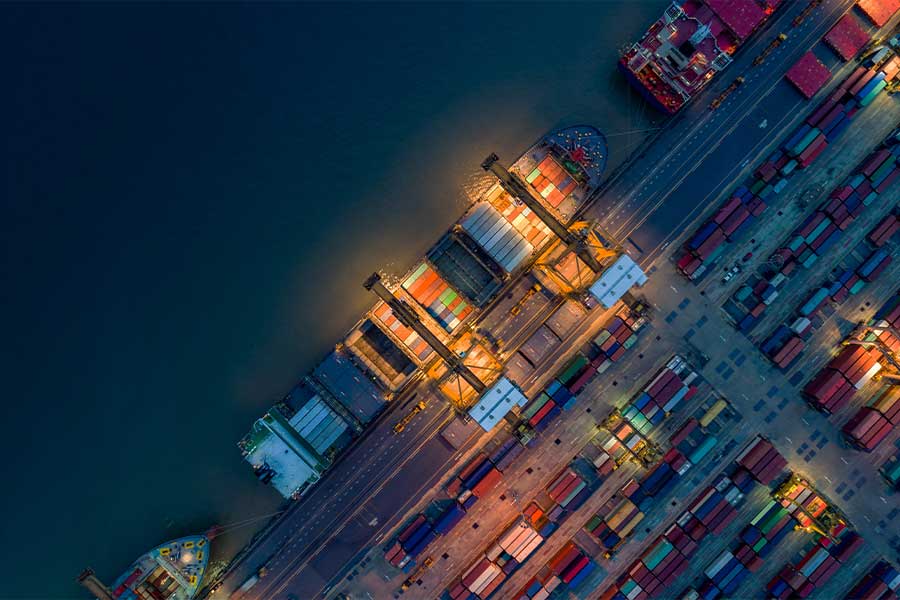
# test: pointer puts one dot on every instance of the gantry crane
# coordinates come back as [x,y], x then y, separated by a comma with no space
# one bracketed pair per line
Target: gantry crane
[408,317]
[893,373]
[518,189]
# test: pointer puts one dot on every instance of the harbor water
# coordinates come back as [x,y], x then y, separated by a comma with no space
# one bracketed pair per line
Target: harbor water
[194,196]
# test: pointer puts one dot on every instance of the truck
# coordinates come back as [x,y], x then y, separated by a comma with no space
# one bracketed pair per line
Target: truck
[248,584]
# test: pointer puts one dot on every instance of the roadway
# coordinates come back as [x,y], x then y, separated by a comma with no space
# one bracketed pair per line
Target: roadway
[705,152]
[651,203]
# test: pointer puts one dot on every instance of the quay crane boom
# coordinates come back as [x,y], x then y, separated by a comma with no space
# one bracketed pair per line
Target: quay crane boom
[409,318]
[517,189]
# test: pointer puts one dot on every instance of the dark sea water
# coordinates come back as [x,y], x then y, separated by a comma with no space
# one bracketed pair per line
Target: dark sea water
[193,196]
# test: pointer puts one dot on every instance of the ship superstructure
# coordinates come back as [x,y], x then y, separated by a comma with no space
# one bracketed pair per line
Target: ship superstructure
[688,45]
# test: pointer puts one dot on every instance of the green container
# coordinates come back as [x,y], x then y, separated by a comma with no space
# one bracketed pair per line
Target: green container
[796,243]
[595,521]
[789,167]
[857,287]
[757,186]
[533,175]
[604,335]
[743,293]
[628,586]
[818,230]
[575,367]
[883,171]
[856,180]
[535,406]
[763,512]
[770,522]
[658,554]
[759,544]
[638,420]
[806,141]
[873,94]
[810,261]
[715,254]
[870,198]
[630,342]
[892,472]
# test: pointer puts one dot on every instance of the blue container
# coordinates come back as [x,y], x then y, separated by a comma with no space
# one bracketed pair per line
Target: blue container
[829,242]
[582,575]
[751,535]
[470,502]
[826,129]
[743,192]
[701,235]
[742,228]
[534,588]
[658,417]
[853,201]
[845,276]
[798,135]
[548,529]
[418,535]
[423,543]
[477,475]
[747,322]
[873,261]
[610,540]
[642,400]
[879,77]
[554,385]
[838,129]
[451,517]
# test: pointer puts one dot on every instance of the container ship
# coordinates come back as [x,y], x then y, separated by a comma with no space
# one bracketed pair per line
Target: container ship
[690,43]
[171,571]
[449,289]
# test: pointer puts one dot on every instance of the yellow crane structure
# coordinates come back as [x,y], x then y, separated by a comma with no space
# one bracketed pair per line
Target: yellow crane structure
[581,238]
[408,317]
[402,423]
[891,370]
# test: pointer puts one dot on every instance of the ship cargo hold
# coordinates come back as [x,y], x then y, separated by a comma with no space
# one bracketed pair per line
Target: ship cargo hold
[387,353]
[171,571]
[690,43]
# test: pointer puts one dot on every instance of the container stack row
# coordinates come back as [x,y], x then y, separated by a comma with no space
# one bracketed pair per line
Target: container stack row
[551,181]
[888,316]
[567,569]
[882,582]
[446,305]
[764,532]
[671,386]
[488,573]
[496,236]
[667,557]
[410,543]
[804,502]
[833,387]
[616,337]
[616,521]
[817,567]
[884,231]
[762,460]
[873,423]
[823,126]
[568,491]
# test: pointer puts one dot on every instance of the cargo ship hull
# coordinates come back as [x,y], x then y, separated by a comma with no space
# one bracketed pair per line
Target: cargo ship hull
[688,46]
[498,237]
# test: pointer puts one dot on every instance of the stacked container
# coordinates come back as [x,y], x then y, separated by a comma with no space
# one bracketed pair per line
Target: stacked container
[442,302]
[849,371]
[874,266]
[817,567]
[671,386]
[804,503]
[620,518]
[552,182]
[411,541]
[616,337]
[762,460]
[824,125]
[882,582]
[657,567]
[566,488]
[873,423]
[770,525]
[496,236]
[884,231]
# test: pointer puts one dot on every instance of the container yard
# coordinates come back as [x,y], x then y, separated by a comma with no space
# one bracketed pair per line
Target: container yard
[601,428]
